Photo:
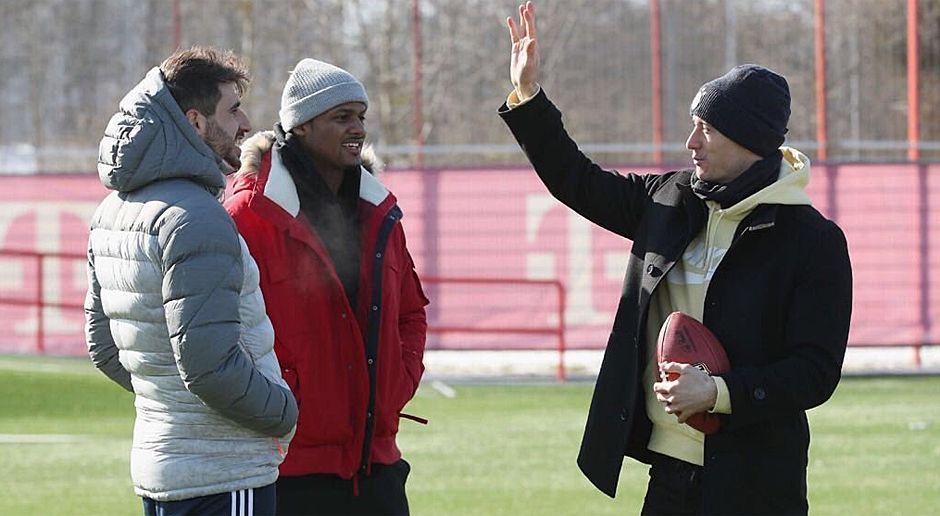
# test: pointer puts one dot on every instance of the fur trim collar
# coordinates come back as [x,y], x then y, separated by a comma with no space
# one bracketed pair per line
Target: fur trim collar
[259,143]
[280,187]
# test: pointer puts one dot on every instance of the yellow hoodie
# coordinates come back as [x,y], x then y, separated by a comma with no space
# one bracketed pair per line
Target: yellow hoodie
[684,290]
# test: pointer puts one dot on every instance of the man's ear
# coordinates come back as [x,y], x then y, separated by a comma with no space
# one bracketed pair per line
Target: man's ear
[303,129]
[198,121]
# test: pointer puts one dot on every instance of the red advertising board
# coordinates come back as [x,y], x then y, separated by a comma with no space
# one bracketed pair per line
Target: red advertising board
[503,224]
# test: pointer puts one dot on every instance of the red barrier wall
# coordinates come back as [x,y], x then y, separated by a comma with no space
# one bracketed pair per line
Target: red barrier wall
[503,224]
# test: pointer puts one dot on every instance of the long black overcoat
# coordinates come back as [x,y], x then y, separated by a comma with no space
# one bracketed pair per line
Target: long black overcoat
[780,303]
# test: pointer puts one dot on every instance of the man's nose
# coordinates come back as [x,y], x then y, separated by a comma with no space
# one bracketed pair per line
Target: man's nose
[692,142]
[244,125]
[359,126]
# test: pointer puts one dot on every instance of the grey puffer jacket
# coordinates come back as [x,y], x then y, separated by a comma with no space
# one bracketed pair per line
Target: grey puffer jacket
[174,312]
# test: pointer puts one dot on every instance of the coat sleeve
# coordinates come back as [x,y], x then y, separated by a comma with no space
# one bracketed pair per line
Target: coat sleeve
[613,201]
[412,326]
[98,338]
[816,332]
[202,281]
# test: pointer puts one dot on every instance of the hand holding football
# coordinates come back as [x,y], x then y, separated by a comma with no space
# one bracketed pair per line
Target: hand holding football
[684,340]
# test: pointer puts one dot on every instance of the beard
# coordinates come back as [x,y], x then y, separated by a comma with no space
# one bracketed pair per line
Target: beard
[223,145]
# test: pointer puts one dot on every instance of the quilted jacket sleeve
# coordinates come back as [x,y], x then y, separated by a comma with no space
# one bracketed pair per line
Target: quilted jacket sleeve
[201,285]
[101,347]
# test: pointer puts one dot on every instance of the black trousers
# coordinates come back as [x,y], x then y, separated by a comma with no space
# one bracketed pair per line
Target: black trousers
[381,493]
[247,502]
[675,487]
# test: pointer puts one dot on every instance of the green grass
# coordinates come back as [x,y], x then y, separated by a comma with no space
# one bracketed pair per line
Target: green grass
[491,450]
[89,475]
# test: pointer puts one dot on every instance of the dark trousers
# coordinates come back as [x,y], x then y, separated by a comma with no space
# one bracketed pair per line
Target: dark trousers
[247,502]
[675,487]
[382,492]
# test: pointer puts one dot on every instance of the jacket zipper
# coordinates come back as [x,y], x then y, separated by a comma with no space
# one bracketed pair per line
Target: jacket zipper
[373,337]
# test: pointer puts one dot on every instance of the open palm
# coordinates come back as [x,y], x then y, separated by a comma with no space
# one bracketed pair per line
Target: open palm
[524,61]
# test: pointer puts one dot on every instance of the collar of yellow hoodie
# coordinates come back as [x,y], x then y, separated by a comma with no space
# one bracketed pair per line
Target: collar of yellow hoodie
[789,188]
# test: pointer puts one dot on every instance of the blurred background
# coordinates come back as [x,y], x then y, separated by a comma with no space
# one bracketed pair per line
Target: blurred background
[506,266]
[624,71]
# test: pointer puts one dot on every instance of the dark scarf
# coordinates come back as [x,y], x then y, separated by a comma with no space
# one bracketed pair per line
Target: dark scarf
[760,175]
[335,218]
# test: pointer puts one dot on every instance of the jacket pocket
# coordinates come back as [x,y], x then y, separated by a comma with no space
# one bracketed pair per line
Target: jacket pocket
[323,401]
[394,393]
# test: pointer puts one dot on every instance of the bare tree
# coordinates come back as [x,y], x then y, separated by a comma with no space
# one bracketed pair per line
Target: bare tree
[69,62]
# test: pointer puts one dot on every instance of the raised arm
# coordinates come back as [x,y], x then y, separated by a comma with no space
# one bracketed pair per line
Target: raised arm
[613,201]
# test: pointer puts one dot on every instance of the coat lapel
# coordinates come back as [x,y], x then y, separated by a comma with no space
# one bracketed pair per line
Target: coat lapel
[275,198]
[683,217]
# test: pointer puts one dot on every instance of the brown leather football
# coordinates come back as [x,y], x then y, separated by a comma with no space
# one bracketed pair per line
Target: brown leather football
[684,340]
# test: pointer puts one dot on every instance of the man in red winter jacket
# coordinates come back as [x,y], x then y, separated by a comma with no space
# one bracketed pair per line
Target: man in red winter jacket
[341,291]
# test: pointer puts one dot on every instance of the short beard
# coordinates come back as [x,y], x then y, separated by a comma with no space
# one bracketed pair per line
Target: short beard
[223,144]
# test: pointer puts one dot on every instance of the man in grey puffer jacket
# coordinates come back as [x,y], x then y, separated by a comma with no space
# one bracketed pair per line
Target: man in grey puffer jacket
[174,312]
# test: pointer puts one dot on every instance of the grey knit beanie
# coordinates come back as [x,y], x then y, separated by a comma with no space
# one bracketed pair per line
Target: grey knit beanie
[750,105]
[315,87]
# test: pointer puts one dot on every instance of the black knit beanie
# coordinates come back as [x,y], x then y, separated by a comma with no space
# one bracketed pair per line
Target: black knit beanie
[750,105]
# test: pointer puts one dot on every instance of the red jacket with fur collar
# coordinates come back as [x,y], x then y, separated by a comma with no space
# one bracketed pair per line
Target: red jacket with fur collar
[352,369]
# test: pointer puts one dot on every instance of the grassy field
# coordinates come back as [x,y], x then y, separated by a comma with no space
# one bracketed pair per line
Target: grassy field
[65,439]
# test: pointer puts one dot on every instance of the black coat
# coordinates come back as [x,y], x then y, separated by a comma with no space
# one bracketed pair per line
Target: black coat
[780,303]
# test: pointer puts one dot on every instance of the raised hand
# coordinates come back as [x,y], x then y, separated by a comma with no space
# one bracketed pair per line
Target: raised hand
[524,62]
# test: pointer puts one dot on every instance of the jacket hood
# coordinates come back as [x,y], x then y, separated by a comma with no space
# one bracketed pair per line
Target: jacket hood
[150,139]
[789,188]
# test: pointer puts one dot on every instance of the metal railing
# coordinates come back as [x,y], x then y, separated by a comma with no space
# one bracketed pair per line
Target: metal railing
[557,330]
[35,295]
[38,299]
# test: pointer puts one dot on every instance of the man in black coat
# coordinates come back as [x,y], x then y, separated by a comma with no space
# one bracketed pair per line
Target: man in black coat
[734,242]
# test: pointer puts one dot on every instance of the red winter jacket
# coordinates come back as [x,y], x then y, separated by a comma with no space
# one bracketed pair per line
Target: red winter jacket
[352,369]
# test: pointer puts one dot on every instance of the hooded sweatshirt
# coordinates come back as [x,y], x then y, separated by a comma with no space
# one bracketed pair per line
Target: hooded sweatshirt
[684,290]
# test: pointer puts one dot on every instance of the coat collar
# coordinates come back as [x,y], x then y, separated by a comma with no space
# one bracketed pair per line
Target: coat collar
[763,216]
[279,187]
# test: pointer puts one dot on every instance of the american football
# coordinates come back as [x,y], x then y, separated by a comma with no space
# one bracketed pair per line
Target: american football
[684,340]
